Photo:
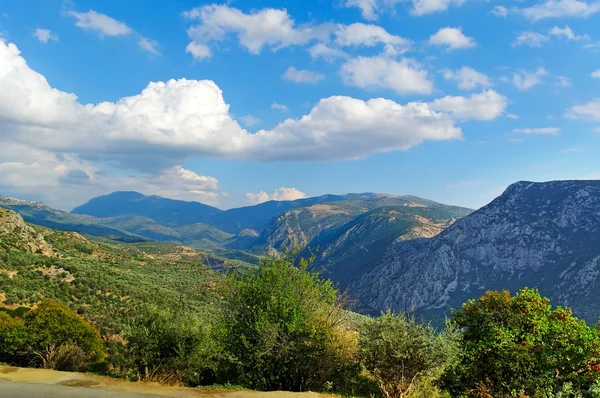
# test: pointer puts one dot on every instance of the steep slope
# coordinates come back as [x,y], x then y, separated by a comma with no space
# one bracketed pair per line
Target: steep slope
[15,234]
[544,235]
[347,252]
[299,227]
[258,216]
[168,212]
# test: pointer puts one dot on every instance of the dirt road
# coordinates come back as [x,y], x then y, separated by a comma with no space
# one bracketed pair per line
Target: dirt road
[41,383]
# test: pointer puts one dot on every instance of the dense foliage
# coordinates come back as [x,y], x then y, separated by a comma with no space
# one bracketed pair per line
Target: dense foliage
[285,329]
[520,346]
[404,355]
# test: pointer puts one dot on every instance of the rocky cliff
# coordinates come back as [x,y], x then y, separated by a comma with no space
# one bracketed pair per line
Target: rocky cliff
[544,235]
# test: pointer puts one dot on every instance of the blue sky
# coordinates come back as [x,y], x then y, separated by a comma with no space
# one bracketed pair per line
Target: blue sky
[444,99]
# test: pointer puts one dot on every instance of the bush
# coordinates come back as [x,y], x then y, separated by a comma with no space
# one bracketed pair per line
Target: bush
[168,346]
[519,345]
[403,355]
[283,328]
[53,329]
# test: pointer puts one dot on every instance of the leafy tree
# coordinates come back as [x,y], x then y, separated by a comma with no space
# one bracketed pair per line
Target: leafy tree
[51,326]
[404,355]
[168,346]
[518,345]
[284,328]
[13,336]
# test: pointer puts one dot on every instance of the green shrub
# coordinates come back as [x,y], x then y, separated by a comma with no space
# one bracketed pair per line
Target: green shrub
[404,356]
[518,345]
[283,328]
[168,346]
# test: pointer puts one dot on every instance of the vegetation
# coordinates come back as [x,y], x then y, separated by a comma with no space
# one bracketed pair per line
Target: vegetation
[156,312]
[285,329]
[404,355]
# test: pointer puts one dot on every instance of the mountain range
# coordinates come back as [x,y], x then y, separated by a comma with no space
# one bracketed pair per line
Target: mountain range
[387,251]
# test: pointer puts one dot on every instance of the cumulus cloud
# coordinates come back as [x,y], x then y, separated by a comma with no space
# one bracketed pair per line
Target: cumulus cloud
[256,198]
[486,105]
[525,80]
[45,35]
[368,8]
[405,76]
[543,130]
[372,9]
[467,78]
[170,121]
[452,39]
[560,9]
[359,34]
[148,45]
[596,74]
[302,76]
[587,111]
[267,27]
[279,194]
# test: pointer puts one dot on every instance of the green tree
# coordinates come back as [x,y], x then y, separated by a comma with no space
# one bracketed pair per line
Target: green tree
[284,328]
[51,327]
[168,346]
[519,346]
[13,336]
[404,355]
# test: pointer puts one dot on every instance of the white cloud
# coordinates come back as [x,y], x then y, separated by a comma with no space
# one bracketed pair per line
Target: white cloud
[280,107]
[267,27]
[486,105]
[198,50]
[532,39]
[45,35]
[560,9]
[543,130]
[174,120]
[515,140]
[524,80]
[250,120]
[452,38]
[566,33]
[104,25]
[467,78]
[101,23]
[329,54]
[302,76]
[424,7]
[148,45]
[368,8]
[587,111]
[287,194]
[535,39]
[596,74]
[359,34]
[404,77]
[279,194]
[563,81]
[512,116]
[500,11]
[256,198]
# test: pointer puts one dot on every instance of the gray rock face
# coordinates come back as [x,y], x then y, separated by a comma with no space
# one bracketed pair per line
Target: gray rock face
[543,235]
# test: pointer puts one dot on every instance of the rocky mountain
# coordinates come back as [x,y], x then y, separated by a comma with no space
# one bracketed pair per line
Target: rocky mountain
[15,234]
[543,235]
